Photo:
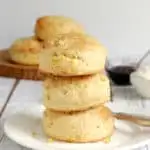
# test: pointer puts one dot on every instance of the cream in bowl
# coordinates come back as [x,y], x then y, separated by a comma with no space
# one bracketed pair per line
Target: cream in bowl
[140,79]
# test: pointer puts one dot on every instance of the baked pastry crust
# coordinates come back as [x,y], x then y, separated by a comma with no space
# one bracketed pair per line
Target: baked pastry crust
[47,26]
[25,51]
[72,54]
[88,126]
[75,93]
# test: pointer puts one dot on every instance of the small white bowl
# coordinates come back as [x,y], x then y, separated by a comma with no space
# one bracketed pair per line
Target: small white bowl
[141,84]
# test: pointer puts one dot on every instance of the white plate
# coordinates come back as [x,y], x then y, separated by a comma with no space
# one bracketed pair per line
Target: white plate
[21,126]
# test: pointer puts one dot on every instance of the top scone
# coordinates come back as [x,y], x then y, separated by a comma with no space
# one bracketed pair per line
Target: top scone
[48,26]
[72,54]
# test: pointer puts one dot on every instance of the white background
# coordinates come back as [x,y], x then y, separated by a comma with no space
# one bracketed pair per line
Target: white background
[122,25]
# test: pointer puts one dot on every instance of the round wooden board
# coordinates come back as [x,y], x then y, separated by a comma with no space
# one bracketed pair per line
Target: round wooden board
[19,71]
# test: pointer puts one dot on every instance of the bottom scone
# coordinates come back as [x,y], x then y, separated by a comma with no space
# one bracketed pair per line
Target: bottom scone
[89,126]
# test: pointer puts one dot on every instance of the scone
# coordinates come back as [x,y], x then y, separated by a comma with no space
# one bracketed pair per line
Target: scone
[87,126]
[76,93]
[47,26]
[72,54]
[25,51]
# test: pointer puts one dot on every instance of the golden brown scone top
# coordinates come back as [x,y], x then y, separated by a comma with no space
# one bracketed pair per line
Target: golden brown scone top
[103,112]
[75,41]
[26,44]
[72,80]
[47,26]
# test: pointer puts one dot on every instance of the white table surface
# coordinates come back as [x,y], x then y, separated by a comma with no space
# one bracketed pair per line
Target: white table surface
[29,91]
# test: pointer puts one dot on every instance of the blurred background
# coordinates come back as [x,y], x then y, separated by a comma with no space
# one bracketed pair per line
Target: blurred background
[123,26]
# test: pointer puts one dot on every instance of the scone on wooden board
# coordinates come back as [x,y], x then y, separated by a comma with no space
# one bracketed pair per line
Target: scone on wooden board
[87,126]
[72,54]
[25,51]
[48,26]
[75,93]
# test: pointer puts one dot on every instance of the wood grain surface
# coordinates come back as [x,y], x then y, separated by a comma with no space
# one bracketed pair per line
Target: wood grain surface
[18,71]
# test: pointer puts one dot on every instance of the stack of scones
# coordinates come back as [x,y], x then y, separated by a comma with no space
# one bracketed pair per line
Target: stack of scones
[75,88]
[75,85]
